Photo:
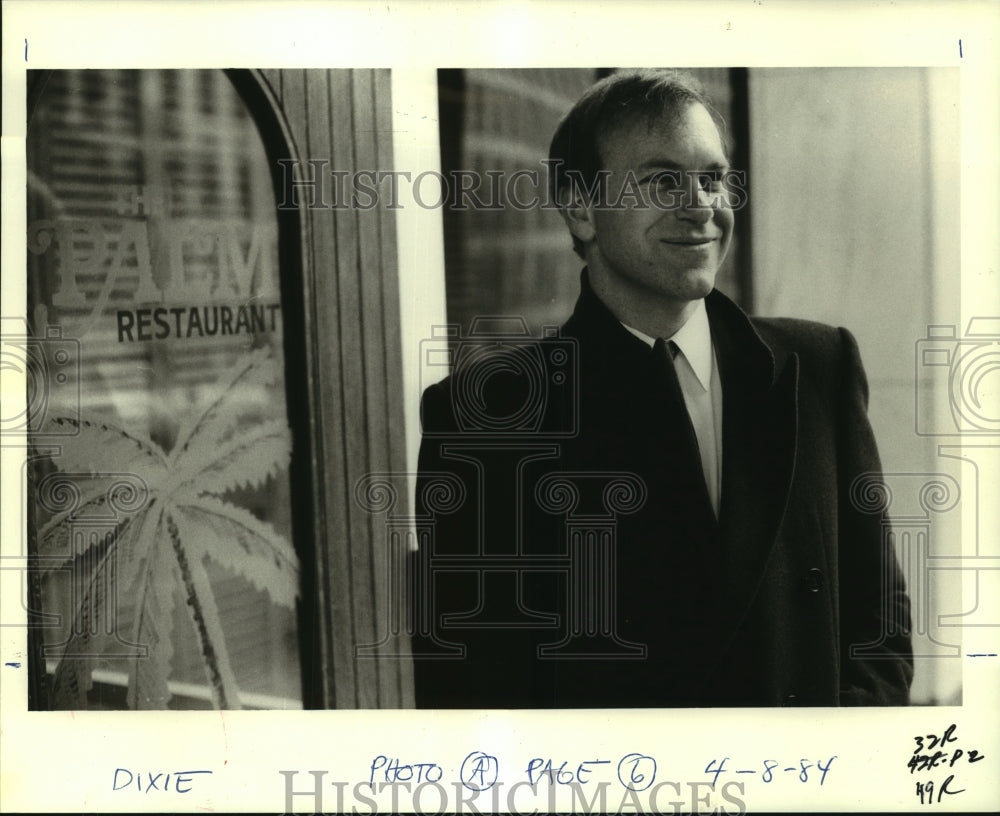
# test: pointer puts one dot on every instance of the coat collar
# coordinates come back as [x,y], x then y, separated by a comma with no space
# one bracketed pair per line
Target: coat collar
[591,319]
[694,339]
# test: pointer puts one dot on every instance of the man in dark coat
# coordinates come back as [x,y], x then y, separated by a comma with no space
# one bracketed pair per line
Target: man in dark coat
[667,503]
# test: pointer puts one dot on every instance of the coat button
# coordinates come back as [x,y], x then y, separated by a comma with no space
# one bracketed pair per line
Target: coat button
[814,580]
[790,700]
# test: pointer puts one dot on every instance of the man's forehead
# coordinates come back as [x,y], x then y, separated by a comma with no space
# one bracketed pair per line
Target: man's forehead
[653,129]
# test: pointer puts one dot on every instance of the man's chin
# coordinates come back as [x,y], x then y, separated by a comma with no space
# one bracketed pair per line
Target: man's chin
[695,286]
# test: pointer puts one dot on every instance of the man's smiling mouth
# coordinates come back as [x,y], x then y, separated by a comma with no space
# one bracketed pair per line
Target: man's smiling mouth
[691,242]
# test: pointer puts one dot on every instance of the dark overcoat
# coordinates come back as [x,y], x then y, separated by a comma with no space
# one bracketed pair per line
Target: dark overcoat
[578,562]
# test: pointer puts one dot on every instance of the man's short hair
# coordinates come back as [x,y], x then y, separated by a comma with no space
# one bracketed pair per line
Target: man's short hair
[622,98]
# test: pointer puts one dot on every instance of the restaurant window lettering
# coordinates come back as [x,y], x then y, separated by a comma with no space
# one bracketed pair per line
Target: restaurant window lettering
[158,501]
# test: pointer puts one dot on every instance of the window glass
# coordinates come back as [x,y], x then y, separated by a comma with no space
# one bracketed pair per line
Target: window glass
[156,406]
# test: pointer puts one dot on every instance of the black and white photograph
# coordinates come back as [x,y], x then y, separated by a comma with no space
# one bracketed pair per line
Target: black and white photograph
[478,426]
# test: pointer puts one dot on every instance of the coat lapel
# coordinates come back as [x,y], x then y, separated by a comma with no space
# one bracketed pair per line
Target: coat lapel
[760,424]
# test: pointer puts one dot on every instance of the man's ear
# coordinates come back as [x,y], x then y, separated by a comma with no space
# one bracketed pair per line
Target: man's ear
[579,216]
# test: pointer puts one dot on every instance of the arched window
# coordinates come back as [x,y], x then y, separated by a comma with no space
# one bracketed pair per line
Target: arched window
[159,495]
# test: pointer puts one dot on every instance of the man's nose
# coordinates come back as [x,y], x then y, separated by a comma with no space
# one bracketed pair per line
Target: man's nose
[697,204]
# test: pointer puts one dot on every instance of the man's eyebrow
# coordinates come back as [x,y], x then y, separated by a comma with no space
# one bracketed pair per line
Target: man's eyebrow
[668,164]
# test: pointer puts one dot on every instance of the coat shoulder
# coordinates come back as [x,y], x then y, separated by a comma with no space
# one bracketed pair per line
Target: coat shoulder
[828,355]
[819,346]
[807,338]
[436,412]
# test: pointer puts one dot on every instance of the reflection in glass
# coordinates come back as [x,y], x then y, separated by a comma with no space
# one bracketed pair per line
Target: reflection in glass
[160,463]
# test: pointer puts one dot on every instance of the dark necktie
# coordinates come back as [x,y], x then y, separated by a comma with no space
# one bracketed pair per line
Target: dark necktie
[665,352]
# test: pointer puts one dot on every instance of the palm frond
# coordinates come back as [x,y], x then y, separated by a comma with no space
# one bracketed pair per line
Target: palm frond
[246,460]
[237,540]
[220,417]
[100,447]
[136,548]
[92,498]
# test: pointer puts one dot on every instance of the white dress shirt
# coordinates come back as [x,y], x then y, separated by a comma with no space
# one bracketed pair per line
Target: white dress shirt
[698,374]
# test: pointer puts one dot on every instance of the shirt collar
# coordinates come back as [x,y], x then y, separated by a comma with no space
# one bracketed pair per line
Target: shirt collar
[694,339]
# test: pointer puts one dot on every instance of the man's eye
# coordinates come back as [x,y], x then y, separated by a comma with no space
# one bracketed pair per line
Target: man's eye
[711,180]
[664,180]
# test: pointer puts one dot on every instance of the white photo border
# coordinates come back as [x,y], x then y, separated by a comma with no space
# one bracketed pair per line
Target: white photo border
[65,761]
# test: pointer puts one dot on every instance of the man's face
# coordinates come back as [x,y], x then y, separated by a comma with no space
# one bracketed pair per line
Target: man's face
[672,244]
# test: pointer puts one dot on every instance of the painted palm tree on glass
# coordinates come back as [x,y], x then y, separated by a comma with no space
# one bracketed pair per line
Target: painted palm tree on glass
[159,551]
